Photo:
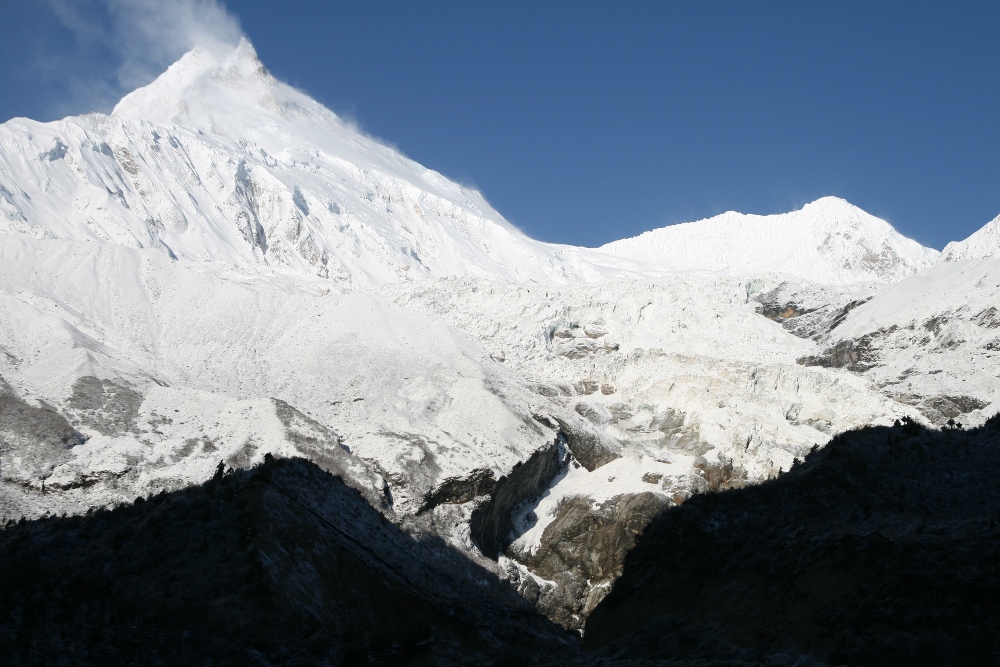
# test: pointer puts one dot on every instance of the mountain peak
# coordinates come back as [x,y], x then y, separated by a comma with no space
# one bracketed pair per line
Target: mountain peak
[218,161]
[245,52]
[213,92]
[831,203]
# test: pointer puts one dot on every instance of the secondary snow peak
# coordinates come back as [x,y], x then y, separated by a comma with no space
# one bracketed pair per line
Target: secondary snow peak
[827,241]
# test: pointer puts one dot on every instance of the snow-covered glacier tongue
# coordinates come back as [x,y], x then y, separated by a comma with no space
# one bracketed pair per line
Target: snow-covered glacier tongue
[223,268]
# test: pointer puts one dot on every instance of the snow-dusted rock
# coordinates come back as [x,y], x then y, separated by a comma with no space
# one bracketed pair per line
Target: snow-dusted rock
[932,340]
[166,368]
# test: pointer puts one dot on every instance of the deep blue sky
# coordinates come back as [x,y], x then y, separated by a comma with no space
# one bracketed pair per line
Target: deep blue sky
[584,122]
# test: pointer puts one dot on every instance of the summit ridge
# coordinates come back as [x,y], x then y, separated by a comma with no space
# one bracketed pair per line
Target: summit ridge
[985,242]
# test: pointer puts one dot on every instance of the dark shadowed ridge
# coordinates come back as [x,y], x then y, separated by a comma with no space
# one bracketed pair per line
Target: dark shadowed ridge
[883,548]
[280,564]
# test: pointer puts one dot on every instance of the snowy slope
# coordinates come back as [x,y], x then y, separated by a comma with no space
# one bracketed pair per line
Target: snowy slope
[151,359]
[985,242]
[161,369]
[681,368]
[932,340]
[827,241]
[699,389]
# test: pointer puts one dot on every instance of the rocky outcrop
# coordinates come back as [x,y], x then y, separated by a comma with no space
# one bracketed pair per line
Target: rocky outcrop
[321,445]
[720,475]
[582,552]
[786,305]
[590,446]
[105,406]
[858,355]
[491,525]
[939,409]
[459,490]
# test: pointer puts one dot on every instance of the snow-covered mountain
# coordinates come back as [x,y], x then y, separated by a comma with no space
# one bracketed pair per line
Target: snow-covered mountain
[828,241]
[218,161]
[223,268]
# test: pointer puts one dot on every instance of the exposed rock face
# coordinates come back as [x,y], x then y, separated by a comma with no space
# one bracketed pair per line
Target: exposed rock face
[721,475]
[583,549]
[810,311]
[491,523]
[459,490]
[281,564]
[854,355]
[939,409]
[587,444]
[881,549]
[320,445]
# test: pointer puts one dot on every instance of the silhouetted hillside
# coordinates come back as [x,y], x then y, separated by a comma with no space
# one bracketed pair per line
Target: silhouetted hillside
[881,549]
[281,564]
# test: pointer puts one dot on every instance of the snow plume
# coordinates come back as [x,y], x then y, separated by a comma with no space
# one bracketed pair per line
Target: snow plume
[154,33]
[134,40]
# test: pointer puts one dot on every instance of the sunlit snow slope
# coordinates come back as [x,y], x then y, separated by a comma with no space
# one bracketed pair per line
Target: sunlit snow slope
[828,241]
[983,243]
